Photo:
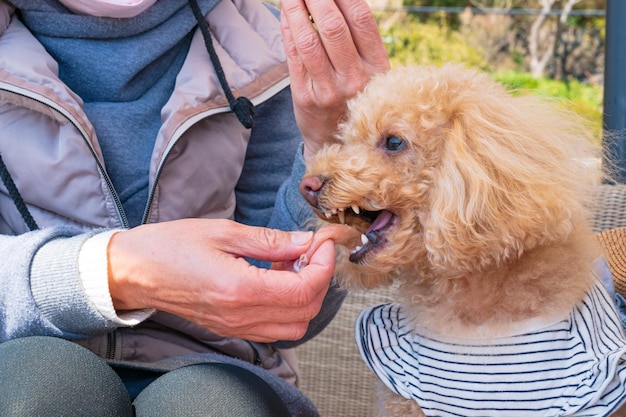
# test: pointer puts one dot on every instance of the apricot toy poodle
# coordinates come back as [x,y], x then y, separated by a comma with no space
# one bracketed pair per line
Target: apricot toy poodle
[475,201]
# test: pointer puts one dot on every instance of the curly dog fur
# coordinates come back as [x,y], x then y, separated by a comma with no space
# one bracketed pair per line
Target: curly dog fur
[483,195]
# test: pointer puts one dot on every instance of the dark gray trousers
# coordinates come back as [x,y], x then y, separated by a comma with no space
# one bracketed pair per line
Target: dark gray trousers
[44,376]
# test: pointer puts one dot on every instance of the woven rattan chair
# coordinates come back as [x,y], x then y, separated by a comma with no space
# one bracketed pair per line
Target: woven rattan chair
[334,376]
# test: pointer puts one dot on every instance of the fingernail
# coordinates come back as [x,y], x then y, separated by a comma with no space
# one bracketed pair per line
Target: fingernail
[300,238]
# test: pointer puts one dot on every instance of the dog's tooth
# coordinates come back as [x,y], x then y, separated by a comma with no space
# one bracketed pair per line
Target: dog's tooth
[356,209]
[334,211]
[342,217]
[364,239]
[328,215]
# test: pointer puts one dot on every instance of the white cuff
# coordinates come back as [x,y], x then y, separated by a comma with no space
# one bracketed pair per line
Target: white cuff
[94,276]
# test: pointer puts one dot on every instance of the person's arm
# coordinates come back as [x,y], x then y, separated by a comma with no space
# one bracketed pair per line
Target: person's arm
[40,287]
[56,281]
[193,268]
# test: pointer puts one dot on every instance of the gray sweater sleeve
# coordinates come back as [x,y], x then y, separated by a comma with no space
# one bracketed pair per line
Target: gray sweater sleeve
[40,289]
[274,162]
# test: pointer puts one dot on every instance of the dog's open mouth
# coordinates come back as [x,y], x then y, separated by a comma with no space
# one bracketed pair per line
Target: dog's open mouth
[374,227]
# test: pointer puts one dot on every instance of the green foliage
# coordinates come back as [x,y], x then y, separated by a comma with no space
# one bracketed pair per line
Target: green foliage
[409,41]
[583,99]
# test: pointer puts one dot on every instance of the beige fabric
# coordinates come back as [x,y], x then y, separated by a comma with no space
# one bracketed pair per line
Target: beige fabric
[614,244]
[332,372]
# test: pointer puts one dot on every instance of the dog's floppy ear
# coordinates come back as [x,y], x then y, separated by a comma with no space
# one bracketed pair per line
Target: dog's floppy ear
[466,204]
[505,183]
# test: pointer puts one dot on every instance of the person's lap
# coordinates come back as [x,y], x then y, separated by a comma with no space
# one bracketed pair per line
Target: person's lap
[50,376]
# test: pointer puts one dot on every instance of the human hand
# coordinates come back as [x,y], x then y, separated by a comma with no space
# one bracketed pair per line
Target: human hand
[329,61]
[194,268]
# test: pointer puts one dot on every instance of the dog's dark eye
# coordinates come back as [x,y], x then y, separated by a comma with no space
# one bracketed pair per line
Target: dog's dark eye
[394,144]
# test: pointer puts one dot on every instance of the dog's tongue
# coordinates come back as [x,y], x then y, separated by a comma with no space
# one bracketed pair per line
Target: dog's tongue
[381,221]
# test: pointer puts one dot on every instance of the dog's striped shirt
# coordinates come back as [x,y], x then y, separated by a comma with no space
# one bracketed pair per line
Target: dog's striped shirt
[574,367]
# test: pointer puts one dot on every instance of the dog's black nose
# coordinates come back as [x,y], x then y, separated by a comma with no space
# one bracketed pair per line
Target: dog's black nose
[310,188]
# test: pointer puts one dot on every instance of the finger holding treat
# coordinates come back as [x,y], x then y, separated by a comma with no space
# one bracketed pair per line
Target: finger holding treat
[339,234]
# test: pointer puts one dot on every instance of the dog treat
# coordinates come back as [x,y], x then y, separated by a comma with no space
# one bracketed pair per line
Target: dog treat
[302,261]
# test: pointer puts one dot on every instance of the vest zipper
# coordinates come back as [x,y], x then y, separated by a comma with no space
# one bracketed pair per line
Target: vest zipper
[111,341]
[52,105]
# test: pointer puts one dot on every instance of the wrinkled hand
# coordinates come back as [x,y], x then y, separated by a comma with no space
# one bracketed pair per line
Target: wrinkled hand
[329,61]
[194,268]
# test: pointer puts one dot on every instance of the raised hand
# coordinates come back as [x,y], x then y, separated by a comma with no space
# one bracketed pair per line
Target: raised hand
[333,49]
